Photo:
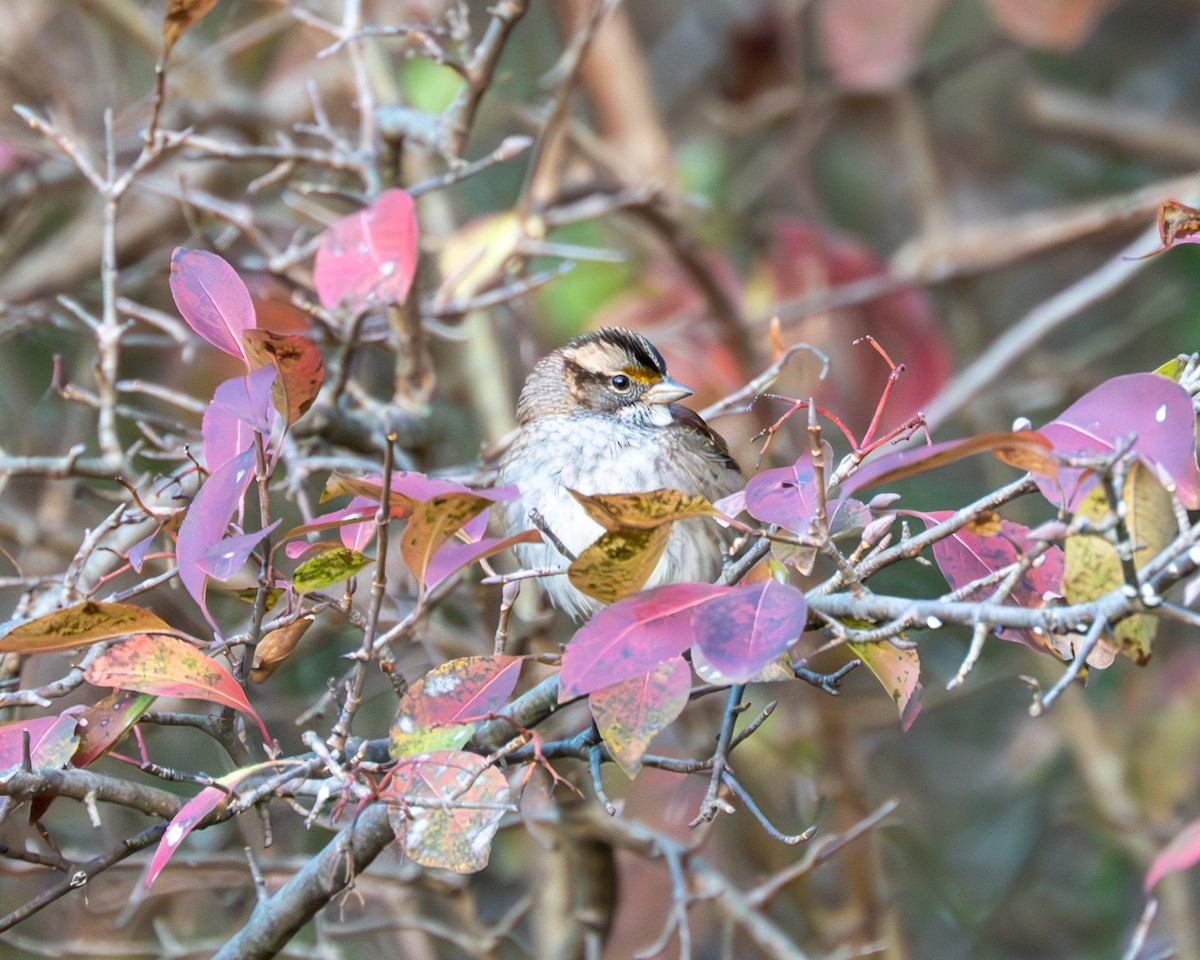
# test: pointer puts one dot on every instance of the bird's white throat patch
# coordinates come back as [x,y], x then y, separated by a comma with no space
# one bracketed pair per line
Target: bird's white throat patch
[660,414]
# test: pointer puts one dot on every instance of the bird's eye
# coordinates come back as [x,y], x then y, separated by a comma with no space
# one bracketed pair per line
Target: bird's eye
[620,382]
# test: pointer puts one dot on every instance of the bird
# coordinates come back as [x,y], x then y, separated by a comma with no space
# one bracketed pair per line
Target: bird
[600,415]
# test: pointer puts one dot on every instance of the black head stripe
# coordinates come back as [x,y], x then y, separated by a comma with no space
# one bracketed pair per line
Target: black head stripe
[633,344]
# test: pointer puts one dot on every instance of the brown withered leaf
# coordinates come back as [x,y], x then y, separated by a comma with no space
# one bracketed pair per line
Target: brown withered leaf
[300,369]
[619,563]
[642,511]
[181,15]
[277,646]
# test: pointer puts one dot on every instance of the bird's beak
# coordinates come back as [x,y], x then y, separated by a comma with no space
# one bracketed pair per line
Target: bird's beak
[666,391]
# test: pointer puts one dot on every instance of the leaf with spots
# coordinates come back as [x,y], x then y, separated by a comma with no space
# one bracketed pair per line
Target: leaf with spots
[900,673]
[619,563]
[106,722]
[445,807]
[642,511]
[1155,411]
[369,258]
[191,815]
[52,740]
[212,299]
[300,371]
[432,523]
[742,629]
[80,626]
[1092,565]
[169,667]
[436,711]
[631,712]
[326,569]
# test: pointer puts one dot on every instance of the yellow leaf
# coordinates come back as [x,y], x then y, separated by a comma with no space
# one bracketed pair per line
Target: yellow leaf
[1092,566]
[618,563]
[642,511]
[81,626]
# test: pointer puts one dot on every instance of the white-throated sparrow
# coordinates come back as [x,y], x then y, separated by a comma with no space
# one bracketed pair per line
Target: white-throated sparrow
[598,416]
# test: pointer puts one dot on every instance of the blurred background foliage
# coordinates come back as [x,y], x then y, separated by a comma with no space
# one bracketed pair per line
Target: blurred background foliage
[973,157]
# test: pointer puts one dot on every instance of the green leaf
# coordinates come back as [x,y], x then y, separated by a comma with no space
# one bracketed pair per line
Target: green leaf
[326,569]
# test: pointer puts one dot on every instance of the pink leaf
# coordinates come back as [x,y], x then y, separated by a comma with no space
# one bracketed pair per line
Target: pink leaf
[168,667]
[1182,853]
[786,496]
[742,629]
[964,557]
[212,299]
[454,555]
[240,407]
[369,257]
[633,636]
[192,812]
[467,689]
[207,519]
[1157,411]
[356,536]
[227,556]
[52,740]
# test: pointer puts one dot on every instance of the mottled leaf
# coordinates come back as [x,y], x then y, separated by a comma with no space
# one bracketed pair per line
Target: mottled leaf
[106,722]
[52,740]
[300,369]
[169,667]
[1092,566]
[212,299]
[742,629]
[619,563]
[900,673]
[432,523]
[369,257]
[332,566]
[80,626]
[630,713]
[438,708]
[445,807]
[641,511]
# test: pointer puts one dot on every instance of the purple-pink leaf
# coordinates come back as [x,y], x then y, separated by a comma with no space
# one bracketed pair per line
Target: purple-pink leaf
[454,555]
[1182,853]
[227,556]
[212,299]
[356,536]
[964,557]
[206,520]
[240,407]
[369,257]
[742,629]
[192,812]
[632,636]
[1155,410]
[785,496]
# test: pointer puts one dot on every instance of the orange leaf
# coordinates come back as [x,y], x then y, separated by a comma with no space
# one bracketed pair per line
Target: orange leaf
[301,369]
